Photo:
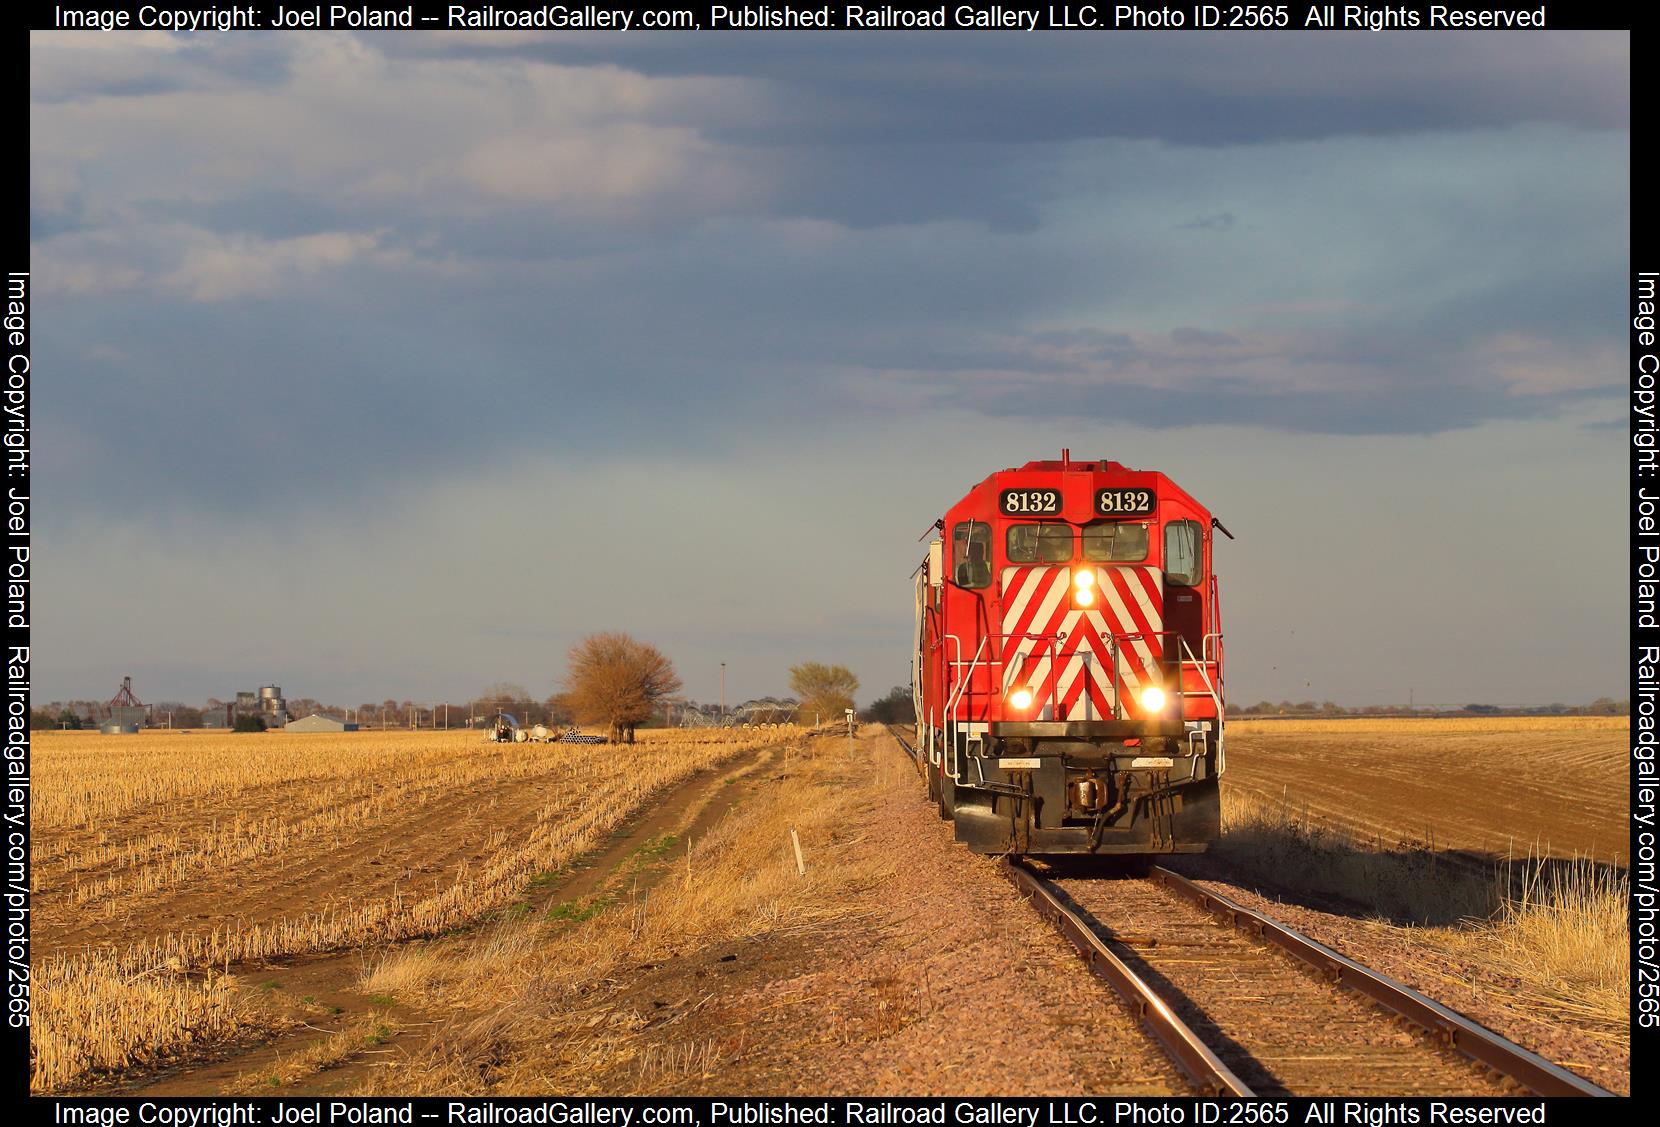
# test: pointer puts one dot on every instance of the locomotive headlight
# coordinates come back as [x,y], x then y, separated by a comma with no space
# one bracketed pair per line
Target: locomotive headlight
[1084,578]
[1021,699]
[1084,596]
[1152,699]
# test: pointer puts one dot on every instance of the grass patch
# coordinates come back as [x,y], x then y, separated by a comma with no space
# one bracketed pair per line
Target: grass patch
[546,881]
[578,911]
[656,848]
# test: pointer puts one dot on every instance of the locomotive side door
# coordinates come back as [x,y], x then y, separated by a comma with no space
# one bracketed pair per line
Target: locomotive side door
[1185,548]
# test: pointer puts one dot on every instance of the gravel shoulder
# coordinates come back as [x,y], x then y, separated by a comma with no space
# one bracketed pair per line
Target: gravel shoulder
[951,985]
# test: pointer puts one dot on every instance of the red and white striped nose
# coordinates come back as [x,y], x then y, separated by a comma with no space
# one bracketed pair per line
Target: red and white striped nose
[1086,639]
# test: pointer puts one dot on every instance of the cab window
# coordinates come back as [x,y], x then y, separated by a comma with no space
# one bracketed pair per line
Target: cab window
[1115,542]
[1183,553]
[971,554]
[1039,543]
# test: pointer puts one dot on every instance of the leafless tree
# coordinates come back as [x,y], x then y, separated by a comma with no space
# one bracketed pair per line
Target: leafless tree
[616,681]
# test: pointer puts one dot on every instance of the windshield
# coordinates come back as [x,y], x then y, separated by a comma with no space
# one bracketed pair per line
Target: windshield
[1111,541]
[1039,543]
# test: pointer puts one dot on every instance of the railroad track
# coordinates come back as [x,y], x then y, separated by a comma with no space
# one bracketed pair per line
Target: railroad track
[897,732]
[1228,993]
[1209,979]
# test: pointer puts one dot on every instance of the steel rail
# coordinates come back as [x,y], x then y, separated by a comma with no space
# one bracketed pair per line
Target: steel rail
[1195,1059]
[904,744]
[1446,1026]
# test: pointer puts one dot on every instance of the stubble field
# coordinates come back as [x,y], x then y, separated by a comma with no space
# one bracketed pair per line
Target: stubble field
[1505,786]
[190,887]
[161,862]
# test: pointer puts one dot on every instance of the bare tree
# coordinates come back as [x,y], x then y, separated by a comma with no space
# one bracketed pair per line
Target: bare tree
[505,692]
[824,689]
[617,681]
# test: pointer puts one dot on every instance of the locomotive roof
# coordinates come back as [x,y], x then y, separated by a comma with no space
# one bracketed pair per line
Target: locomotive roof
[1165,487]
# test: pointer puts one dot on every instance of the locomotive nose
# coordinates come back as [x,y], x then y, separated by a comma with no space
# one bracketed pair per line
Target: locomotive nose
[1083,641]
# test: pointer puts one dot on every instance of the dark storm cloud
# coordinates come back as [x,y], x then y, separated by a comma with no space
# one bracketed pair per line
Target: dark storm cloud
[277,269]
[61,70]
[1198,88]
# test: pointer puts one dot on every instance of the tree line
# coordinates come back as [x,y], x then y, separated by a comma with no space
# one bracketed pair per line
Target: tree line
[611,680]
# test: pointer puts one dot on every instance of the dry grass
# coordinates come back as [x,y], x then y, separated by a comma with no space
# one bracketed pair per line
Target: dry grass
[567,1020]
[197,820]
[1567,931]
[1279,842]
[1561,928]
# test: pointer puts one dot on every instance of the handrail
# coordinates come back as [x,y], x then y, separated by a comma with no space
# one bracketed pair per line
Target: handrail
[1215,696]
[951,704]
[1049,642]
[1204,676]
[1114,640]
[1205,646]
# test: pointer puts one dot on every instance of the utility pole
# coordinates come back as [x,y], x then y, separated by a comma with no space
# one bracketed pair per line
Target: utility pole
[723,692]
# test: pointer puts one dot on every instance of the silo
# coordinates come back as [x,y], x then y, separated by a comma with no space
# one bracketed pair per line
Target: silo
[272,705]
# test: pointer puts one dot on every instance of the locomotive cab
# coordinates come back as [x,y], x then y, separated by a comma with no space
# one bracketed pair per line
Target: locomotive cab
[1068,664]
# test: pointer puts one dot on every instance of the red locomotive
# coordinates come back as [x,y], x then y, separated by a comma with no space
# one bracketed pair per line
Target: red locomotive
[1068,663]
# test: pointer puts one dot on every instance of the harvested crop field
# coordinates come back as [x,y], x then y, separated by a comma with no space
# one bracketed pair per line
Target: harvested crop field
[1502,786]
[161,862]
[676,948]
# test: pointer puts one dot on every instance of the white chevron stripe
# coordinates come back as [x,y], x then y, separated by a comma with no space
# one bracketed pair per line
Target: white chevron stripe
[1155,619]
[1012,611]
[1014,660]
[1143,652]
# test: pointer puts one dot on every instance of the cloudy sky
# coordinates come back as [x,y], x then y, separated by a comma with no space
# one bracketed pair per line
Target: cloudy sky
[390,365]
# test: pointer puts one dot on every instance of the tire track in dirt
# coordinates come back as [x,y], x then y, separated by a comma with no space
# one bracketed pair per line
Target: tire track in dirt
[319,985]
